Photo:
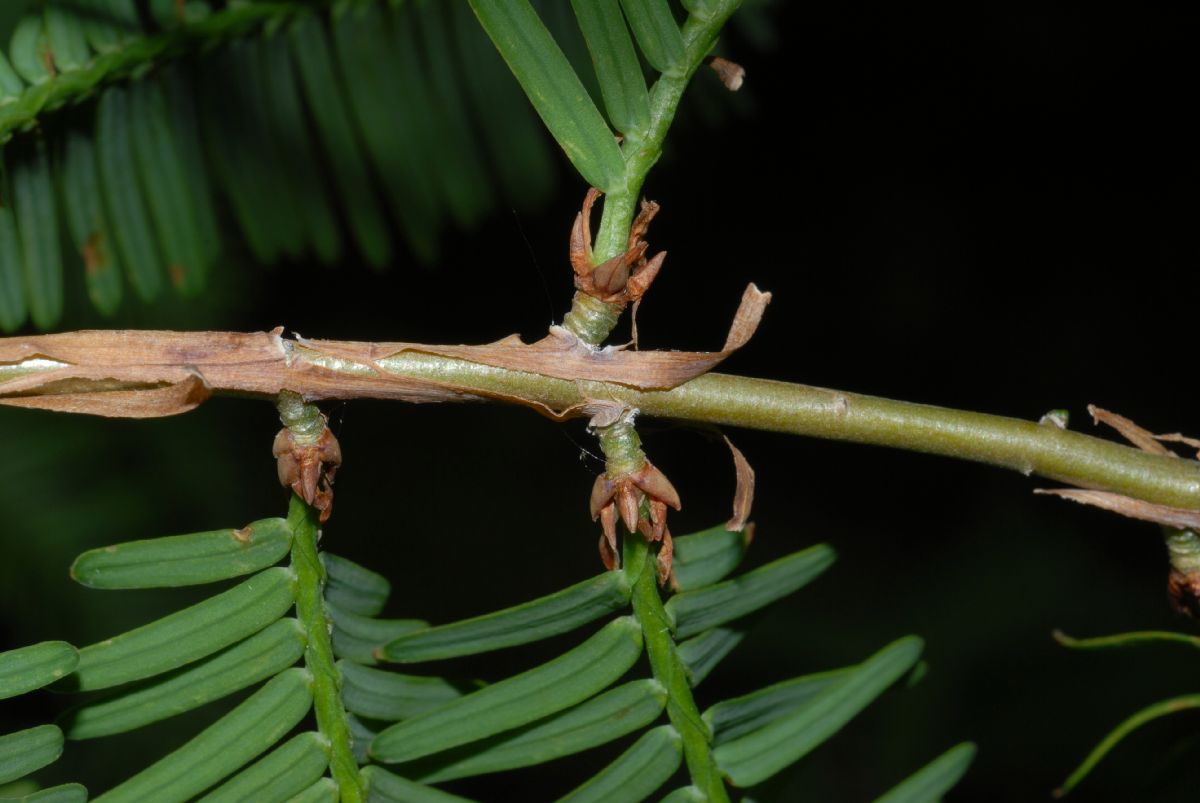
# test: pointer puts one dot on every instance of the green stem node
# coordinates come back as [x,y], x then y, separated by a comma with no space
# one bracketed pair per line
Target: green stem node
[590,319]
[1183,549]
[622,447]
[304,420]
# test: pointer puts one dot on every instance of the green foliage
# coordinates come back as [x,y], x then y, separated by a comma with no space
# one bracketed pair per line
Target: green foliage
[433,729]
[934,779]
[28,668]
[288,108]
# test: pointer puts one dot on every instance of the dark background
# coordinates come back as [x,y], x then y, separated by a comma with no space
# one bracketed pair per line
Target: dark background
[988,207]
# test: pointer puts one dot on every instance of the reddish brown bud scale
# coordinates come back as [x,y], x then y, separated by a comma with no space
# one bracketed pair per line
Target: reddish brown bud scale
[309,469]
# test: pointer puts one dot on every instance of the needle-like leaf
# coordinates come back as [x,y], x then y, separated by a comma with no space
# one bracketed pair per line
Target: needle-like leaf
[27,668]
[259,657]
[390,696]
[600,720]
[287,770]
[361,639]
[756,756]
[183,560]
[621,81]
[25,751]
[187,635]
[541,618]
[730,719]
[554,89]
[934,779]
[695,611]
[1147,714]
[353,588]
[701,654]
[657,33]
[704,558]
[225,746]
[636,773]
[560,683]
[387,787]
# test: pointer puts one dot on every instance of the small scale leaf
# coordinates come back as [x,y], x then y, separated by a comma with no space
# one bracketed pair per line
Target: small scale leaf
[560,683]
[621,81]
[323,791]
[657,34]
[228,744]
[706,557]
[189,634]
[286,771]
[685,794]
[554,89]
[386,787]
[361,639]
[934,779]
[259,657]
[756,756]
[541,618]
[25,751]
[390,696]
[27,668]
[354,588]
[695,611]
[636,773]
[184,560]
[600,720]
[64,793]
[701,654]
[729,719]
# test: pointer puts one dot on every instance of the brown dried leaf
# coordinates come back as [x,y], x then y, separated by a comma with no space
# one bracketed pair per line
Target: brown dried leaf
[732,74]
[1178,517]
[743,495]
[137,374]
[1179,437]
[563,356]
[1141,438]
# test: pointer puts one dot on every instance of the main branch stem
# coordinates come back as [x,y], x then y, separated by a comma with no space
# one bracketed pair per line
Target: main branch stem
[1026,446]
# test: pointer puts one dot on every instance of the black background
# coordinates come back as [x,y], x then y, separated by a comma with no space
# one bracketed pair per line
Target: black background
[988,207]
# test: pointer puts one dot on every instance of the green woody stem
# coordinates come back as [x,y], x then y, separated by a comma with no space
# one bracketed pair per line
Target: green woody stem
[1026,446]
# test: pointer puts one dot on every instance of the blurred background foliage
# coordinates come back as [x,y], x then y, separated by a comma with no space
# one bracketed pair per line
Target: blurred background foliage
[978,206]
